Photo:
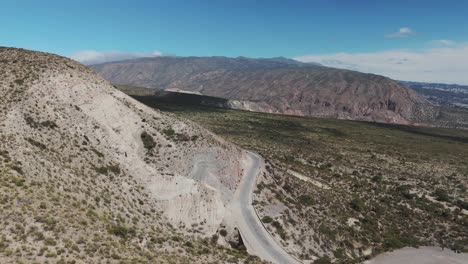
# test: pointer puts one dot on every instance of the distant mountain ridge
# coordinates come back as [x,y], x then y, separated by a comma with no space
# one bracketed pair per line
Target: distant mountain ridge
[278,85]
[438,85]
[441,93]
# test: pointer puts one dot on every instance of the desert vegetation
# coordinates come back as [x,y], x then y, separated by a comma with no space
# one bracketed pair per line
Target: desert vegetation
[346,190]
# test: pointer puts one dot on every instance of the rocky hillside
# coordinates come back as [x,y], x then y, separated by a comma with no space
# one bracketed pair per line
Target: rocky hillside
[89,175]
[278,86]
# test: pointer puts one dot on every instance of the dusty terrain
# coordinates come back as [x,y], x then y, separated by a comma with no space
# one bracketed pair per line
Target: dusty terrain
[89,175]
[423,255]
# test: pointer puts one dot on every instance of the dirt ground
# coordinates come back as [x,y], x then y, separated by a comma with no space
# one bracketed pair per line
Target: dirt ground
[422,255]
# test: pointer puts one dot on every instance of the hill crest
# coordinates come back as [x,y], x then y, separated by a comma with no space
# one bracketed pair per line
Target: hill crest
[79,159]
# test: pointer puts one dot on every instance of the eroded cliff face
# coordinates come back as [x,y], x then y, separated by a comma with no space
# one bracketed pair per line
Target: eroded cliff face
[91,147]
[271,86]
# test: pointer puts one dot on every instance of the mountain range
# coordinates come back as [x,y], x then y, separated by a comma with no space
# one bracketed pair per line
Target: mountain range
[278,85]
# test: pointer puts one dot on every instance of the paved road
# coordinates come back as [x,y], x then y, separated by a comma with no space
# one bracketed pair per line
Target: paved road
[256,239]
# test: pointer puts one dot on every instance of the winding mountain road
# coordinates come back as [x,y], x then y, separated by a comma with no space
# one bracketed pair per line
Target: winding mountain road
[254,235]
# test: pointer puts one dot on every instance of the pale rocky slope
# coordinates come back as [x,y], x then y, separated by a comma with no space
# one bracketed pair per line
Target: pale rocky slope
[87,174]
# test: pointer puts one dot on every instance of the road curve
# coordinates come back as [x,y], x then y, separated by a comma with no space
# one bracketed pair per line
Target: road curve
[254,235]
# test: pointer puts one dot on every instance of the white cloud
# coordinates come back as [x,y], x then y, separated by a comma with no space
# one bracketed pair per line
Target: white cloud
[442,64]
[402,33]
[156,53]
[444,42]
[89,57]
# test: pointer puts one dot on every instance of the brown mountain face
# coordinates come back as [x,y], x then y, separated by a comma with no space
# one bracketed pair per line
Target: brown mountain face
[279,85]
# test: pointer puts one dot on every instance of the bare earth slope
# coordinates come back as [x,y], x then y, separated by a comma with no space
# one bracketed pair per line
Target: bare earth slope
[88,174]
[278,86]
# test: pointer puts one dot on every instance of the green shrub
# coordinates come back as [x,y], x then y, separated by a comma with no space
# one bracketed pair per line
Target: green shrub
[98,153]
[182,137]
[19,81]
[18,182]
[392,242]
[49,124]
[357,203]
[279,229]
[223,232]
[377,178]
[462,204]
[51,255]
[323,260]
[42,205]
[3,246]
[36,143]
[441,195]
[189,244]
[169,132]
[404,191]
[328,232]
[48,222]
[148,141]
[277,225]
[39,235]
[214,238]
[115,169]
[102,170]
[121,231]
[267,219]
[176,238]
[49,241]
[339,253]
[395,241]
[306,200]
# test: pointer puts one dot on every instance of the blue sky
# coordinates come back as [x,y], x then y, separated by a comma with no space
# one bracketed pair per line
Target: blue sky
[305,30]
